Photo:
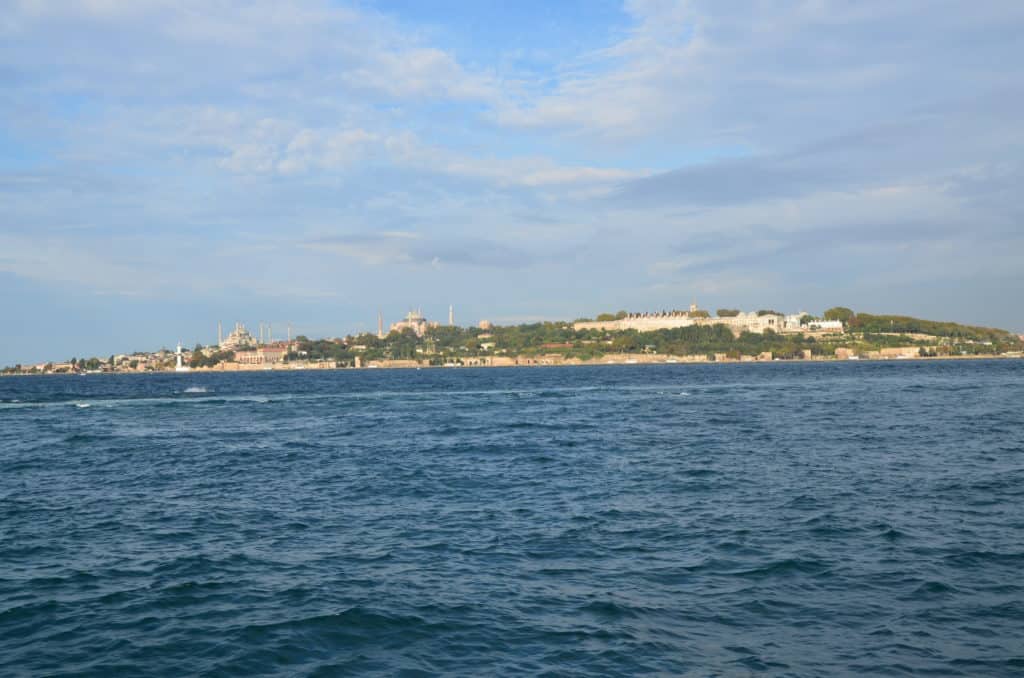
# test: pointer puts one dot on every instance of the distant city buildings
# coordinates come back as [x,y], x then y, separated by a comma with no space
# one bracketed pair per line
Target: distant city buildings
[487,345]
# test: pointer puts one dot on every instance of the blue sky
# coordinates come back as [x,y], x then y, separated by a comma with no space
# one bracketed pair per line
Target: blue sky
[165,165]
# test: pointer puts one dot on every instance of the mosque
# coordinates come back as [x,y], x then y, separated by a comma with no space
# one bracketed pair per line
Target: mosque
[414,321]
[238,339]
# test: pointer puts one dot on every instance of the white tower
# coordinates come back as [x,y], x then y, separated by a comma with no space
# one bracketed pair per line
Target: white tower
[451,315]
[179,366]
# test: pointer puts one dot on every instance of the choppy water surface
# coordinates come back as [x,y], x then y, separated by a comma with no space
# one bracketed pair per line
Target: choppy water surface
[800,520]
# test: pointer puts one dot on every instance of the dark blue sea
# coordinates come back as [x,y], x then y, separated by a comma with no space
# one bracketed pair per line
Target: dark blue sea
[836,519]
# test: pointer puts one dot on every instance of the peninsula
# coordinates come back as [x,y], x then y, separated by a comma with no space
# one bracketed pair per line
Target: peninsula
[693,335]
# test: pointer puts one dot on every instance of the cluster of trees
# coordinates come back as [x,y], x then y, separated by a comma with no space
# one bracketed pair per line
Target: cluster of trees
[200,360]
[323,349]
[705,340]
[863,322]
[604,317]
[875,324]
[87,363]
[839,313]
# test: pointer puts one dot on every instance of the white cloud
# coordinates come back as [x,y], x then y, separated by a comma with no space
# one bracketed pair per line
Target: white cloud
[860,131]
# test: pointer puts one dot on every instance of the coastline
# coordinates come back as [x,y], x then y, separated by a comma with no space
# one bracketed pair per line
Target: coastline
[619,360]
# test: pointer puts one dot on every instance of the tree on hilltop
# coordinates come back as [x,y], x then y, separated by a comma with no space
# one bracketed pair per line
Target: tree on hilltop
[839,313]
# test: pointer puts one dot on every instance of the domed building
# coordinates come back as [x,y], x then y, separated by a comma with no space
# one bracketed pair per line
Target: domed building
[238,339]
[414,321]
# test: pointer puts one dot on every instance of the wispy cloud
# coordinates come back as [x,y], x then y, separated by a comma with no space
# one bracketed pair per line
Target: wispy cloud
[406,249]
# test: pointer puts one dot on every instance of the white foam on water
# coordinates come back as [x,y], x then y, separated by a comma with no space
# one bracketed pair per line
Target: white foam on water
[196,389]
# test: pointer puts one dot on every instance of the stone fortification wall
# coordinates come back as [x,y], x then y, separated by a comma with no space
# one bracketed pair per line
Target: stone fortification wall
[643,322]
[650,322]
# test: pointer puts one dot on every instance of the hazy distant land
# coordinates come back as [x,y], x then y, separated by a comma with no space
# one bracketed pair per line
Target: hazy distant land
[612,338]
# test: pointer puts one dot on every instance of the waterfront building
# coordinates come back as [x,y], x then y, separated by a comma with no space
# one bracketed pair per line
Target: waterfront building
[263,355]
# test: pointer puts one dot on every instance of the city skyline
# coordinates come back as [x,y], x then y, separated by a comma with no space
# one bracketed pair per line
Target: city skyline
[163,168]
[240,337]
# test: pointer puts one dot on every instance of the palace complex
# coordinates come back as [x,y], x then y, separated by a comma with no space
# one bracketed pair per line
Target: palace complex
[757,322]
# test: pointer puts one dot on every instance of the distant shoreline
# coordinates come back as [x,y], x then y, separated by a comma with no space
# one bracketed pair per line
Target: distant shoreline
[591,363]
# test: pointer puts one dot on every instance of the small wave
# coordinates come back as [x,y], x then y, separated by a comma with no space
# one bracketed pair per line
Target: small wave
[607,609]
[787,567]
[196,389]
[79,438]
[932,589]
[82,405]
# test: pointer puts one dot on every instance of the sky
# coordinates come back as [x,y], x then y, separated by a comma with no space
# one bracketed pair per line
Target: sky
[166,165]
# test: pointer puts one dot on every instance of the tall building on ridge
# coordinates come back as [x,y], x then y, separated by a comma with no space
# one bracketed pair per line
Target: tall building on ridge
[451,315]
[380,325]
[238,339]
[414,321]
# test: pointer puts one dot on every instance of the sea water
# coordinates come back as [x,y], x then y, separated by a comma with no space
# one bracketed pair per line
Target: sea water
[781,519]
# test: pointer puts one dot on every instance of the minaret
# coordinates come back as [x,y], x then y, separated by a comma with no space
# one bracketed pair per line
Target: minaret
[451,315]
[220,334]
[380,325]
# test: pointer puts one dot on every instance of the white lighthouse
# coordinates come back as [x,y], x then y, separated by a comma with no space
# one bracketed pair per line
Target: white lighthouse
[179,366]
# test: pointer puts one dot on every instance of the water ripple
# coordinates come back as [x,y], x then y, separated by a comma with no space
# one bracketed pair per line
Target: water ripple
[795,520]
